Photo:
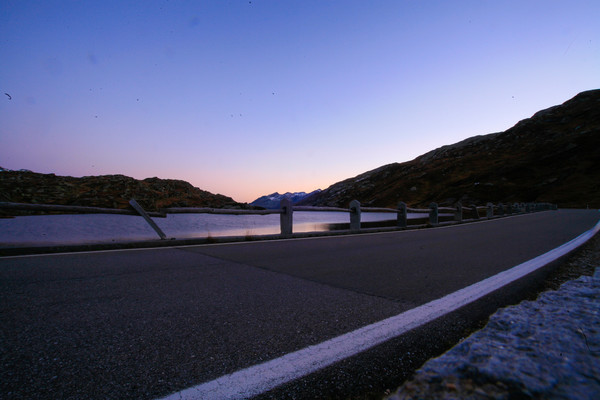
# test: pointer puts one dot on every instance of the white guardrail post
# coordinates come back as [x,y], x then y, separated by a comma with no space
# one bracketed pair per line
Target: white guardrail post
[401,219]
[458,214]
[475,211]
[355,215]
[433,214]
[490,210]
[286,218]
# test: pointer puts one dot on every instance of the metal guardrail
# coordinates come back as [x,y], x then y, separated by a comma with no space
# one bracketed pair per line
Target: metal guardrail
[286,211]
[73,209]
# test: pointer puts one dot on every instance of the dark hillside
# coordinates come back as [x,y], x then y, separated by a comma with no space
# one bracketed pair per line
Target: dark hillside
[554,156]
[109,191]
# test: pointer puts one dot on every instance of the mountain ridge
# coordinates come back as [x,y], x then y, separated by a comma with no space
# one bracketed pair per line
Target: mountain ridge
[549,157]
[107,191]
[271,201]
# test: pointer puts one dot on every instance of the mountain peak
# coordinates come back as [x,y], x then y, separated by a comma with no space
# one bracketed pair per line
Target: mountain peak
[273,200]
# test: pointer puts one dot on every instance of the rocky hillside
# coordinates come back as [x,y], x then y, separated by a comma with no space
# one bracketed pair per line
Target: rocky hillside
[111,191]
[554,156]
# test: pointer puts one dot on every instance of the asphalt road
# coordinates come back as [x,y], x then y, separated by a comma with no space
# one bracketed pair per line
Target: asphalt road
[146,323]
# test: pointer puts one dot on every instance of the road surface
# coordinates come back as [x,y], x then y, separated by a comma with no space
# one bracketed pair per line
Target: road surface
[146,323]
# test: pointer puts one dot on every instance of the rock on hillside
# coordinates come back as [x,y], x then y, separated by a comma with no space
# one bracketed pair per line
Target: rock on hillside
[550,157]
[110,191]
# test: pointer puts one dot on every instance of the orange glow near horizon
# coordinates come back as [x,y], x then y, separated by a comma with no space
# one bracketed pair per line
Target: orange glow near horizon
[249,98]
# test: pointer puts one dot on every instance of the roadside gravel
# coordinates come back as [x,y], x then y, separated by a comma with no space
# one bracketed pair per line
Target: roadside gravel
[546,348]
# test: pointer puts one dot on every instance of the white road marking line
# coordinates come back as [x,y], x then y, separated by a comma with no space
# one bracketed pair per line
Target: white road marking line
[260,378]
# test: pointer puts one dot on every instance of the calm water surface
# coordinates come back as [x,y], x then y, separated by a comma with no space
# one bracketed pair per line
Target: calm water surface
[52,229]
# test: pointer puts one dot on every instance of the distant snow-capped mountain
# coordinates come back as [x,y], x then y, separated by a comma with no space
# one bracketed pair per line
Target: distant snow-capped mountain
[272,200]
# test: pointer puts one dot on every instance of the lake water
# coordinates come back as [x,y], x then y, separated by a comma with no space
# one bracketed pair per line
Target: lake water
[93,228]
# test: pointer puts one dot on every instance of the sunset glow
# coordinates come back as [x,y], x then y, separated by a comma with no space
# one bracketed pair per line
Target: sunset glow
[245,98]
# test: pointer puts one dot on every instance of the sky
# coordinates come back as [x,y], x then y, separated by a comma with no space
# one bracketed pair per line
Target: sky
[245,98]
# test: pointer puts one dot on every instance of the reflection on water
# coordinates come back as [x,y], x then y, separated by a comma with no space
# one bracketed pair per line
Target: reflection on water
[87,228]
[201,225]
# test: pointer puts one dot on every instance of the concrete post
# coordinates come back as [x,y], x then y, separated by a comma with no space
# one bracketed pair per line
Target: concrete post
[286,218]
[490,210]
[475,212]
[402,215]
[458,214]
[433,214]
[501,209]
[355,215]
[147,218]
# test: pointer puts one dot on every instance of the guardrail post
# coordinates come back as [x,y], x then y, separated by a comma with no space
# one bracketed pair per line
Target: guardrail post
[355,215]
[433,214]
[286,217]
[501,209]
[509,209]
[147,218]
[528,207]
[401,215]
[490,210]
[475,212]
[458,214]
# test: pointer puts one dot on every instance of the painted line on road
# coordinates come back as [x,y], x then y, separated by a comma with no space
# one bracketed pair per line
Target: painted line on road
[263,377]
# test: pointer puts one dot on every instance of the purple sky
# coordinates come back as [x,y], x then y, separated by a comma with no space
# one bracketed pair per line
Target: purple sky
[246,98]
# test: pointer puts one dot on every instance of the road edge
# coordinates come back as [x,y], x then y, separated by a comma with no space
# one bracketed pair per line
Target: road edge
[260,378]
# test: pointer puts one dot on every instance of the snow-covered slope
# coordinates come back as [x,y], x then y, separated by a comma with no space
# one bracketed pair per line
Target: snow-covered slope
[272,200]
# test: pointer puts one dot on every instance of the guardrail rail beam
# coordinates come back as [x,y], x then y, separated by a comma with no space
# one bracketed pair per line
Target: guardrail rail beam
[147,218]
